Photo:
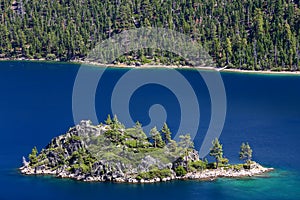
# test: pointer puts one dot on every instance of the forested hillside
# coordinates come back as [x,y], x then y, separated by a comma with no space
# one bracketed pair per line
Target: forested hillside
[246,34]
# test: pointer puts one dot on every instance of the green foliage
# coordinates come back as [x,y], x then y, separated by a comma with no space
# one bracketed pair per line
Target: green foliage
[248,35]
[33,156]
[172,146]
[131,143]
[156,137]
[211,165]
[155,173]
[166,134]
[224,161]
[216,151]
[198,165]
[246,166]
[75,138]
[82,167]
[137,135]
[238,167]
[108,121]
[80,159]
[180,171]
[186,141]
[114,135]
[186,144]
[41,156]
[51,56]
[245,152]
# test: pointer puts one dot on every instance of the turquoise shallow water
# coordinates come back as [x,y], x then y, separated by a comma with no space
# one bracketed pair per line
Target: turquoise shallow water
[36,105]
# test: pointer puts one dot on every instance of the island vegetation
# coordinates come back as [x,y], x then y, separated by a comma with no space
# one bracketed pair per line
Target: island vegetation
[251,34]
[112,152]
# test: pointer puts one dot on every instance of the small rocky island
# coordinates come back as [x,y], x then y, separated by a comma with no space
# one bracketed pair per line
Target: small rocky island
[111,152]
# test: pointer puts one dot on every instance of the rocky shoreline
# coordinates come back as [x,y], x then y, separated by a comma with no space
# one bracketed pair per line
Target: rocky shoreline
[208,174]
[112,153]
[255,170]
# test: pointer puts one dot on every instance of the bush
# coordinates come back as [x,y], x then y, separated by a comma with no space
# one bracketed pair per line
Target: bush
[238,167]
[155,173]
[131,143]
[75,138]
[276,69]
[198,165]
[82,167]
[224,161]
[180,171]
[211,165]
[246,166]
[33,156]
[50,56]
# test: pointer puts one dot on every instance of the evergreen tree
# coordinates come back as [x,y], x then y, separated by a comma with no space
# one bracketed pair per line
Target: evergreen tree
[216,151]
[166,134]
[245,152]
[156,137]
[186,143]
[140,134]
[33,156]
[108,121]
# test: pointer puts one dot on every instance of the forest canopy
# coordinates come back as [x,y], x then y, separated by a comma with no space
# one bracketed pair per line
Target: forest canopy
[248,34]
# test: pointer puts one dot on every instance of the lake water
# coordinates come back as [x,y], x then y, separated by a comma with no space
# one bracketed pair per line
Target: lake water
[36,105]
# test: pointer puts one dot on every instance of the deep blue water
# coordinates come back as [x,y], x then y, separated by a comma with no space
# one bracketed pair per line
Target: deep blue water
[36,105]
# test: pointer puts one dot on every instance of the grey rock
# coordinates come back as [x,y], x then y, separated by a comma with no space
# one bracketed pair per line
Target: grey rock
[25,163]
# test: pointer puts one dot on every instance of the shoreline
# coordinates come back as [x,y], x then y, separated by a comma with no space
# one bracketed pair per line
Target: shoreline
[154,66]
[205,175]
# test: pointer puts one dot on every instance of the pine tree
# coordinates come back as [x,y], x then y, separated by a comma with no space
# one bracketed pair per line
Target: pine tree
[33,156]
[156,137]
[108,121]
[186,143]
[166,134]
[245,152]
[216,151]
[140,135]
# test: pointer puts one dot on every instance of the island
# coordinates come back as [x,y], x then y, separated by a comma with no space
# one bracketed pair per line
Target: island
[111,152]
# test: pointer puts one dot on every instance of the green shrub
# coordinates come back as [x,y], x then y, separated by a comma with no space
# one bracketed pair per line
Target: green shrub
[224,161]
[155,173]
[50,56]
[84,168]
[211,165]
[180,171]
[33,156]
[131,143]
[75,137]
[163,173]
[246,166]
[198,165]
[238,167]
[276,69]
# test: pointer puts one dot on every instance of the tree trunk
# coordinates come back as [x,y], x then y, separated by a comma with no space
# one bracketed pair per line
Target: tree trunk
[186,160]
